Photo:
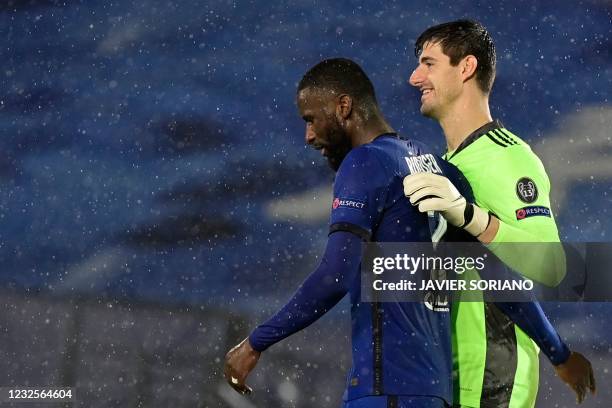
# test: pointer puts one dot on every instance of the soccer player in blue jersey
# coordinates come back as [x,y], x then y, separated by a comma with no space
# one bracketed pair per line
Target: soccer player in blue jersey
[408,363]
[401,352]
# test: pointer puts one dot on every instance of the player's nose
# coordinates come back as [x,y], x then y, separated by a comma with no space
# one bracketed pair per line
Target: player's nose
[416,78]
[309,136]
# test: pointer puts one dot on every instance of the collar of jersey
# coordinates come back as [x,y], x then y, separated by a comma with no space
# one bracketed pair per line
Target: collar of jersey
[390,134]
[483,130]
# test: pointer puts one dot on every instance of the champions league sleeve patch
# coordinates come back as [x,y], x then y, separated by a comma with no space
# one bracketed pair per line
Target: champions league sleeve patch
[526,190]
[348,203]
[532,211]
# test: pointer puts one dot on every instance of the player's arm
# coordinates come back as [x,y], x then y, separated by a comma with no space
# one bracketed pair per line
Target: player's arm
[321,291]
[519,197]
[572,367]
[359,186]
[529,316]
[325,287]
[498,195]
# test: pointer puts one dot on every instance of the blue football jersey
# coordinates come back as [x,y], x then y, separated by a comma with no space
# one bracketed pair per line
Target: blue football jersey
[398,348]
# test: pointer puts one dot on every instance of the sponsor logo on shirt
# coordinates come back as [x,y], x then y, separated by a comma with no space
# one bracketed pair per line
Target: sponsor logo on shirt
[526,190]
[348,203]
[532,211]
[425,163]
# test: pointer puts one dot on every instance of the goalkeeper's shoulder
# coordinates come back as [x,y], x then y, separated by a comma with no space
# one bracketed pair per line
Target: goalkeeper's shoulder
[511,160]
[512,151]
[514,186]
[496,158]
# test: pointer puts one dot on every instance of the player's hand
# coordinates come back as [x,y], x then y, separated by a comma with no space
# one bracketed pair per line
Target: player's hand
[239,362]
[432,192]
[577,373]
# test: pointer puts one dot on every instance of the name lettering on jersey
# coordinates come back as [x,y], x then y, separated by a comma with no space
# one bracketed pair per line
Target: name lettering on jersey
[348,203]
[425,163]
[532,211]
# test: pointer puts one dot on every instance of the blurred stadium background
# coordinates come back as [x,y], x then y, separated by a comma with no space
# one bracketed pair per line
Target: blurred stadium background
[157,198]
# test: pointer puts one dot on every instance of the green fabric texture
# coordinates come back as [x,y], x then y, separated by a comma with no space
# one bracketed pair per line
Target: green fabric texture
[493,172]
[469,342]
[493,164]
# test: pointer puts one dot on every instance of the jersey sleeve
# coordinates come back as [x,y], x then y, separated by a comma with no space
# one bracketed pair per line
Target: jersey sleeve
[530,317]
[360,191]
[518,195]
[321,290]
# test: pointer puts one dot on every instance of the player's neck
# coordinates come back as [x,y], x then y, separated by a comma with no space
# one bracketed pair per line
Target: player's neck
[466,116]
[366,132]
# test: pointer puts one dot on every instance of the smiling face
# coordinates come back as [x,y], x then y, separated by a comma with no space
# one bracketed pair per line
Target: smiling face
[318,107]
[440,83]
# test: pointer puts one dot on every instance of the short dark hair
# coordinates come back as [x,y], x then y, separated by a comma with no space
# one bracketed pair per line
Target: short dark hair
[342,75]
[459,39]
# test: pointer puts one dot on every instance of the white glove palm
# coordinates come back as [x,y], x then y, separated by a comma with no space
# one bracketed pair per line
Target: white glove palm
[432,192]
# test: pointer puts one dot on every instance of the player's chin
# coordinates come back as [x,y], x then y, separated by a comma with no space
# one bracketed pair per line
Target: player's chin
[336,156]
[334,162]
[428,111]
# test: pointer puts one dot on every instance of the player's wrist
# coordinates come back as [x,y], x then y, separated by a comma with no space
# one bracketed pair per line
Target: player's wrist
[249,345]
[255,342]
[476,220]
[560,356]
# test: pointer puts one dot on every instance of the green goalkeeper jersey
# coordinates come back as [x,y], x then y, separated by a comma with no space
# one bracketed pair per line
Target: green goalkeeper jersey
[495,362]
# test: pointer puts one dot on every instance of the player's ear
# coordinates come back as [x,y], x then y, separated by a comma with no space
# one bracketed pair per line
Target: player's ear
[468,67]
[344,106]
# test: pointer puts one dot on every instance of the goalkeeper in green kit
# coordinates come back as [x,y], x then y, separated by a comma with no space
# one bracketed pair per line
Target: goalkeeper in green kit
[495,362]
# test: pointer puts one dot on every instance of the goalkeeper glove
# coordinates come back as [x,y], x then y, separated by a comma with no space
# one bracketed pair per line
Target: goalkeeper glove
[432,192]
